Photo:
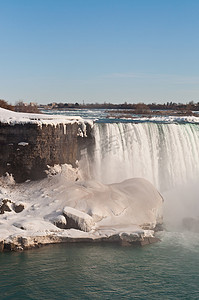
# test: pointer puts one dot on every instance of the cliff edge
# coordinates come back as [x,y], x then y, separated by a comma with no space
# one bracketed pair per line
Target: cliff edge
[31,142]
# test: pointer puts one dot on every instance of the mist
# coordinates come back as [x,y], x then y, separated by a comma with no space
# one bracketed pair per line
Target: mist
[181,208]
[165,154]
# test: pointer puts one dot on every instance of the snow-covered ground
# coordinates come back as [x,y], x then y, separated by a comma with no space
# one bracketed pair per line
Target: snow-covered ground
[12,118]
[129,210]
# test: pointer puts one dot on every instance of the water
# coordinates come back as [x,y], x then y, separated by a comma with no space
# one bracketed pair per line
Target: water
[164,152]
[91,114]
[167,155]
[166,270]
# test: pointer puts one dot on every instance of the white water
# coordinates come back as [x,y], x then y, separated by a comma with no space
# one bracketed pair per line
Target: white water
[165,154]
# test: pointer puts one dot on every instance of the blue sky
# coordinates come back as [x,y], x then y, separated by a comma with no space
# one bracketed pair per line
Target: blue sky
[99,50]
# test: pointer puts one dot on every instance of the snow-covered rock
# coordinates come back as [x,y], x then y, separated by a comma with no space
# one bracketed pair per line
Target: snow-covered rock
[78,219]
[18,207]
[60,222]
[32,142]
[12,118]
[85,210]
[5,205]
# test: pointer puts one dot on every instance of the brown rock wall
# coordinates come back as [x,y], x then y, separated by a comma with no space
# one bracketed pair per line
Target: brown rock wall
[40,146]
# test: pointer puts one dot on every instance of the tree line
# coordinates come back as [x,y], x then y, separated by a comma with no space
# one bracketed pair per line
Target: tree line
[20,107]
[139,108]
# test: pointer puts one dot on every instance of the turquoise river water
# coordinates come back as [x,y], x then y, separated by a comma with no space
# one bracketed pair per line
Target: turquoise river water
[165,270]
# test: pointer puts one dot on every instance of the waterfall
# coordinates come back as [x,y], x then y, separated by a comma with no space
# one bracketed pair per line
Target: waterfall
[165,154]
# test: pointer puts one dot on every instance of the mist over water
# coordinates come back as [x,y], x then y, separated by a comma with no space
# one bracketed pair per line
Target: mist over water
[165,154]
[181,208]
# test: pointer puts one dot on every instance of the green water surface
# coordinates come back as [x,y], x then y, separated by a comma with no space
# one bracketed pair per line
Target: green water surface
[166,270]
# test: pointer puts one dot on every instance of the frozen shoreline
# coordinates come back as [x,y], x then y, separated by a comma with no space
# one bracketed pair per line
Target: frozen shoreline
[13,118]
[126,212]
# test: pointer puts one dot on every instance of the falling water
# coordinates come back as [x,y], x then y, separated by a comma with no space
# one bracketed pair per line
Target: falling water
[165,154]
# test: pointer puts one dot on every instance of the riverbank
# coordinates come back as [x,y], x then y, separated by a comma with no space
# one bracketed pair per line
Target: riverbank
[59,209]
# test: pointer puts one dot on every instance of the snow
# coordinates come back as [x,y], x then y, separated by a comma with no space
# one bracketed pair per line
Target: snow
[59,219]
[23,144]
[128,209]
[12,118]
[84,221]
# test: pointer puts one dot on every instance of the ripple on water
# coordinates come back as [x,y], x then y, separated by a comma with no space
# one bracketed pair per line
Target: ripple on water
[166,270]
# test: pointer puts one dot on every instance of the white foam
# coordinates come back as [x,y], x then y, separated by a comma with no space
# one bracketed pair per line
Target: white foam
[165,154]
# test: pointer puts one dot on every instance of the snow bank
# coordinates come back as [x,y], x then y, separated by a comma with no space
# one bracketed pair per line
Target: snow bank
[83,220]
[128,211]
[12,118]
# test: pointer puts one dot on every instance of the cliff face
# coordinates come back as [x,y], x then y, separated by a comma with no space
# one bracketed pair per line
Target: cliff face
[27,149]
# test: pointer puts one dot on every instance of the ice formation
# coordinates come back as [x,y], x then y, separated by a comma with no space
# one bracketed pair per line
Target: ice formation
[129,210]
[12,118]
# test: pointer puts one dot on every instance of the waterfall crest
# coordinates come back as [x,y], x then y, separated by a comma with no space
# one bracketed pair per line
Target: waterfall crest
[165,154]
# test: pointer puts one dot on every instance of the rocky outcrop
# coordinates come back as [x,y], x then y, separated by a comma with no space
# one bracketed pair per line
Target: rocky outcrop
[7,205]
[27,149]
[1,246]
[18,207]
[25,243]
[77,219]
[60,222]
